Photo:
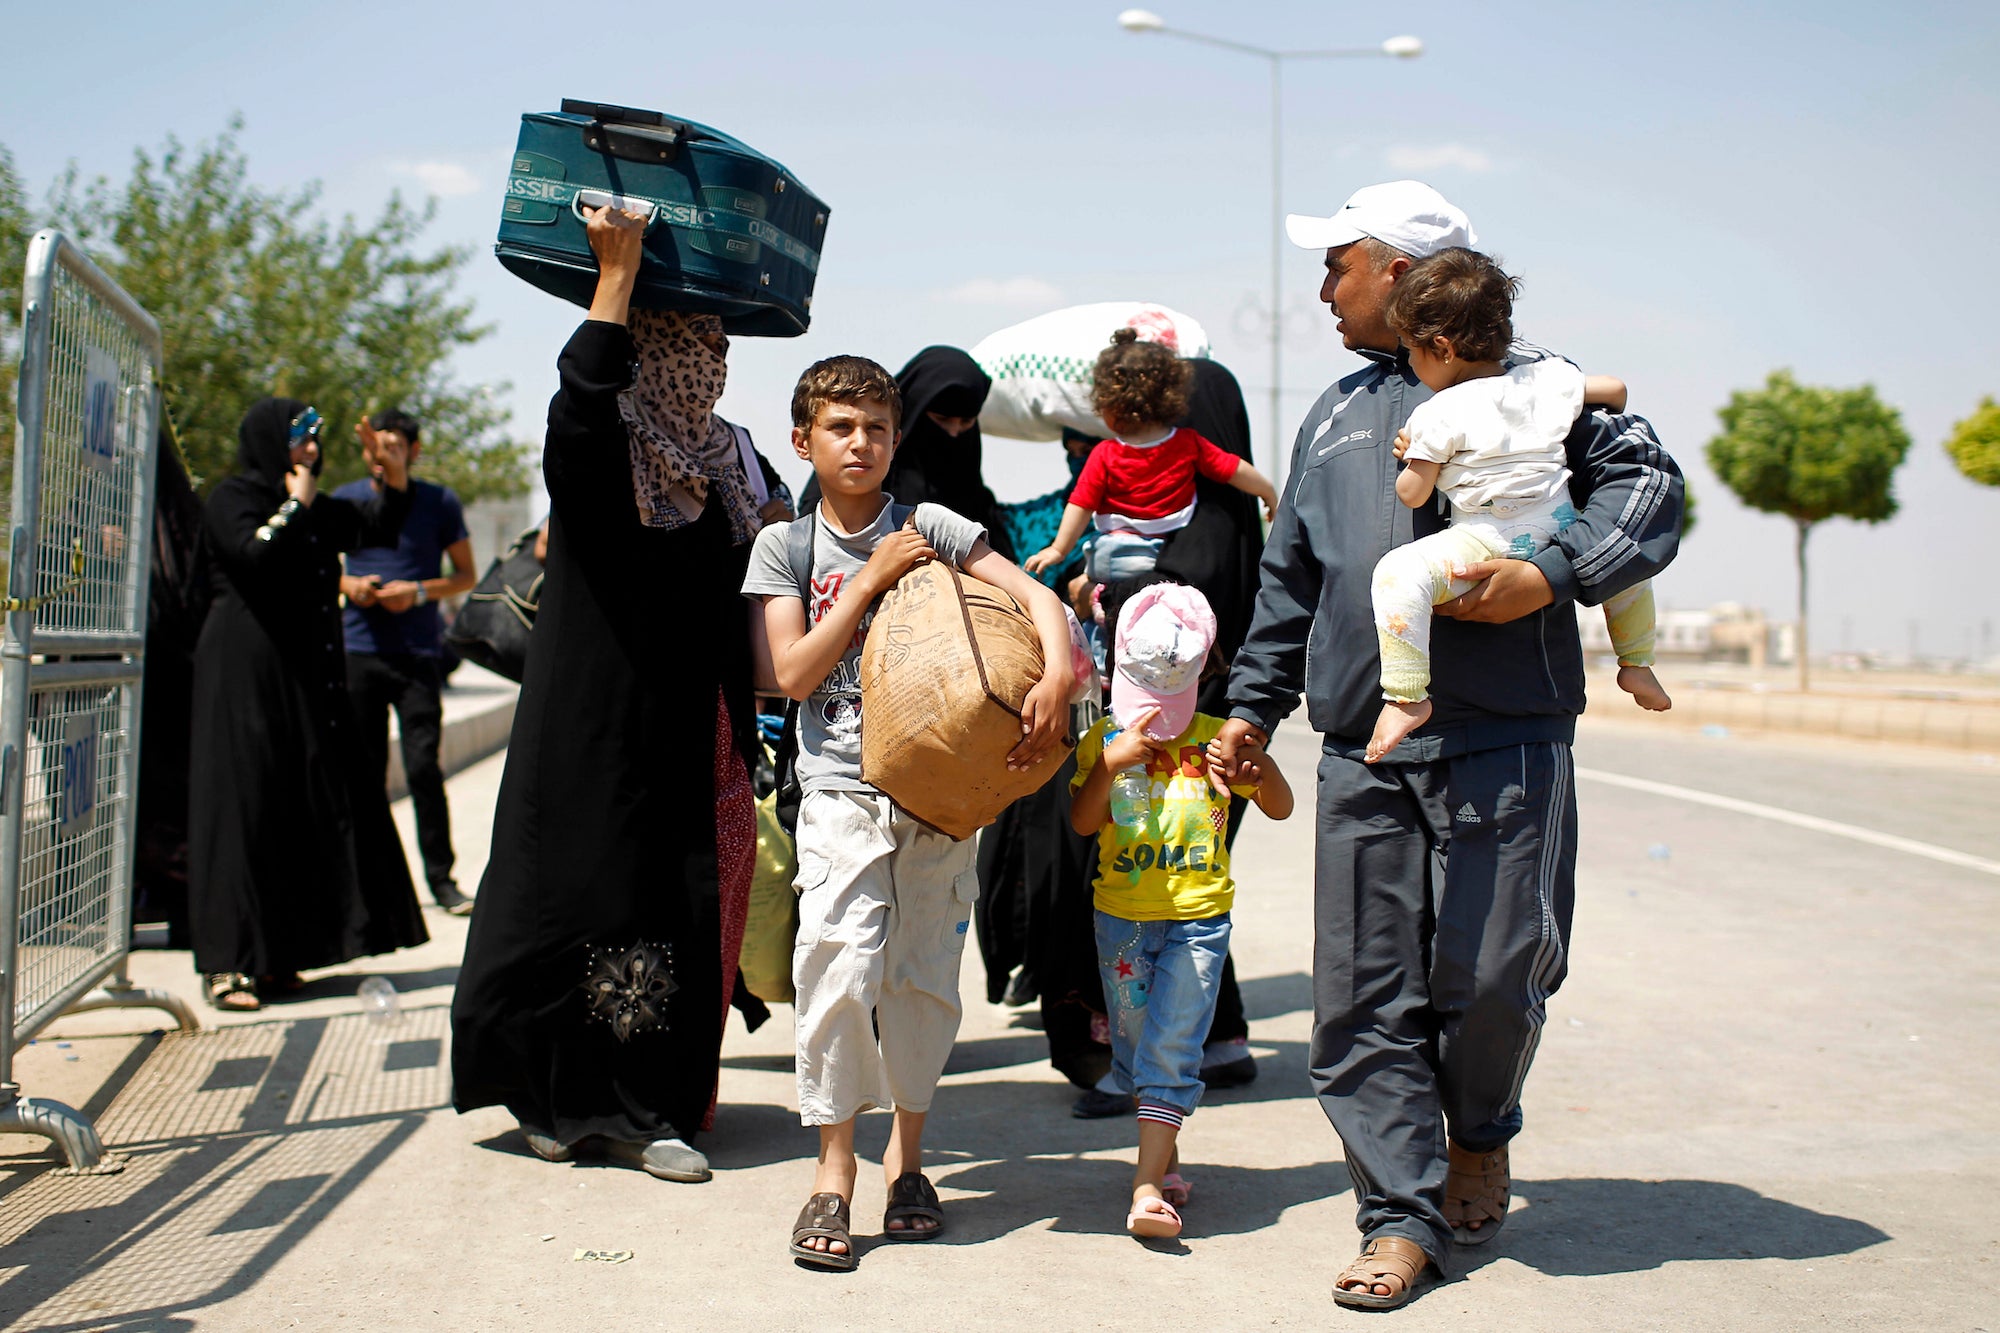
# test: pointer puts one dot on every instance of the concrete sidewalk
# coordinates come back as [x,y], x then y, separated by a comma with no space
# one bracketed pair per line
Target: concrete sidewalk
[1767,1099]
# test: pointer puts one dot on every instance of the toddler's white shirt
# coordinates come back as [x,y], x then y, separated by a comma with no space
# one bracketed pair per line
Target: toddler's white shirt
[1500,438]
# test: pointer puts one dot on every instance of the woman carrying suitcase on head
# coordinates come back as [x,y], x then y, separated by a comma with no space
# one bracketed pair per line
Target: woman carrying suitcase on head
[602,960]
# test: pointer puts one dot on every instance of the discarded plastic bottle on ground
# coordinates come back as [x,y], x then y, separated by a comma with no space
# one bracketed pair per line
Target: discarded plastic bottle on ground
[379,1001]
[1131,795]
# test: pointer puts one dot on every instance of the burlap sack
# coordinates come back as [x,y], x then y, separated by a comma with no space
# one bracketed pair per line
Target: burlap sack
[946,666]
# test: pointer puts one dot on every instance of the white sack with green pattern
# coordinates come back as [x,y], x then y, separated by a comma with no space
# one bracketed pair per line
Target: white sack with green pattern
[1041,369]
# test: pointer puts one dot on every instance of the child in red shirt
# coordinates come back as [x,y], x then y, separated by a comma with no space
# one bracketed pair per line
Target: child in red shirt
[1139,486]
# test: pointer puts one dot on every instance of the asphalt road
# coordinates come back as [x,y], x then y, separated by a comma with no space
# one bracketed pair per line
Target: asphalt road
[1767,1099]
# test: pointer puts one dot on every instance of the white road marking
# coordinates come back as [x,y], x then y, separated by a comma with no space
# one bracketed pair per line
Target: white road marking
[1797,820]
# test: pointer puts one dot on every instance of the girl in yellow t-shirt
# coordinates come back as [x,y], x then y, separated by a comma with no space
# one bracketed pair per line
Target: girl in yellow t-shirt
[1145,787]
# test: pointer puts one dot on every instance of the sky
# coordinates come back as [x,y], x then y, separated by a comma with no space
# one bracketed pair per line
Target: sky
[1693,194]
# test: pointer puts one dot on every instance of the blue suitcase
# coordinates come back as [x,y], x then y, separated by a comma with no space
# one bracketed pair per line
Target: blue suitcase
[732,232]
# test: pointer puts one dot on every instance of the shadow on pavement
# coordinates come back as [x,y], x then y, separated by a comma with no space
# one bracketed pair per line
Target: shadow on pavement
[1594,1227]
[1273,997]
[1091,1194]
[239,1141]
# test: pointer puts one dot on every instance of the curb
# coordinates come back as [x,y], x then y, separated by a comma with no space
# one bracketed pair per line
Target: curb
[1958,725]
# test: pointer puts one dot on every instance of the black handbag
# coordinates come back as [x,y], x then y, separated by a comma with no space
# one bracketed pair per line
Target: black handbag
[492,627]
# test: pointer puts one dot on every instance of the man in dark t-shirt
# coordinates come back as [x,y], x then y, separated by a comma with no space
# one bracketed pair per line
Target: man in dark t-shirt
[395,641]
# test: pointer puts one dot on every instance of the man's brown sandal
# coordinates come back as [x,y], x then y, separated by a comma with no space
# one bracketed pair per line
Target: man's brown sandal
[1388,1261]
[911,1198]
[824,1217]
[1476,1187]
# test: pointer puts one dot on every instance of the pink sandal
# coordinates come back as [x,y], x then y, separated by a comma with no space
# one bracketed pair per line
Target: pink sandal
[1176,1189]
[1153,1218]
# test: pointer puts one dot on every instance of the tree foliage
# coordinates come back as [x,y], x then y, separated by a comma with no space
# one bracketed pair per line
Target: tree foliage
[258,293]
[1975,444]
[1810,454]
[15,229]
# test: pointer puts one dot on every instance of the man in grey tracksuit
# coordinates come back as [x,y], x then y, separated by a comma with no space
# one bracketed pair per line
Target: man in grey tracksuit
[1444,874]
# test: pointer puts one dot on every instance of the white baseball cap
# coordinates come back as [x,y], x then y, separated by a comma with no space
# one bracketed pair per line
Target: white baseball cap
[1406,215]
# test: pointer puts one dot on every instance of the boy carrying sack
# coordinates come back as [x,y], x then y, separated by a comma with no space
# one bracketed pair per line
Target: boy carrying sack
[1146,786]
[884,901]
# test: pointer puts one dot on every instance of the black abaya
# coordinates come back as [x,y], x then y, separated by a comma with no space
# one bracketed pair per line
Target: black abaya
[605,831]
[177,604]
[294,860]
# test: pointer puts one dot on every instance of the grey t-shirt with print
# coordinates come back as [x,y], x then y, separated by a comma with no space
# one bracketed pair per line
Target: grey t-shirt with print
[830,721]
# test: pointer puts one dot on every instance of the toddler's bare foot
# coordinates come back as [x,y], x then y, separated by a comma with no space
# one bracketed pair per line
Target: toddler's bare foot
[1399,720]
[1644,687]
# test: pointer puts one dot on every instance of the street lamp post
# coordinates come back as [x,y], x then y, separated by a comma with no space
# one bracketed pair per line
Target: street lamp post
[1403,48]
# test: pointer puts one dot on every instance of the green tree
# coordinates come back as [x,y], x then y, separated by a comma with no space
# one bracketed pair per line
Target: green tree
[1975,444]
[257,293]
[15,229]
[1810,454]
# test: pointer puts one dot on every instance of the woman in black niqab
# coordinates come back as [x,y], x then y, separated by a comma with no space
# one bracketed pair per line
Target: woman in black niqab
[603,954]
[294,861]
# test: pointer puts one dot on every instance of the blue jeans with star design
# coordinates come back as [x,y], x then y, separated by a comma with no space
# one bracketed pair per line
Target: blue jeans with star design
[1161,979]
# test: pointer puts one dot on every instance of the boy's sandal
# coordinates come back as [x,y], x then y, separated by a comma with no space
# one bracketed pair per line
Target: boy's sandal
[910,1198]
[1476,1186]
[233,992]
[1176,1189]
[1153,1218]
[1387,1261]
[824,1217]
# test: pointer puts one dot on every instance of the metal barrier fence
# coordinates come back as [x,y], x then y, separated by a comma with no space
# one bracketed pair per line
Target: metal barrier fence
[71,664]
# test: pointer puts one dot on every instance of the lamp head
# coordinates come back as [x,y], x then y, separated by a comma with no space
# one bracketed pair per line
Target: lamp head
[1141,20]
[1403,48]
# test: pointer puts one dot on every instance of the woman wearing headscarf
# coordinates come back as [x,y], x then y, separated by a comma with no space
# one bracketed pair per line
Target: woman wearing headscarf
[939,457]
[294,861]
[602,959]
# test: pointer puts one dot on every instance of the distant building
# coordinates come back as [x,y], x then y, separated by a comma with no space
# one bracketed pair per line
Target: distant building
[1727,632]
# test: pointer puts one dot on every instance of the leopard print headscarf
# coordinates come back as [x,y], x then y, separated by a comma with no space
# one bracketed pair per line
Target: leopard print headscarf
[680,448]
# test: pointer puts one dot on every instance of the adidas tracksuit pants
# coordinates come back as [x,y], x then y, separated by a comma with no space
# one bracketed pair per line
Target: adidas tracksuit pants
[1443,893]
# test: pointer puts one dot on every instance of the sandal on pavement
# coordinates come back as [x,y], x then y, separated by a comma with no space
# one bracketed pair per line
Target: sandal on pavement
[1176,1188]
[1153,1218]
[824,1216]
[233,992]
[1476,1186]
[1386,1261]
[910,1198]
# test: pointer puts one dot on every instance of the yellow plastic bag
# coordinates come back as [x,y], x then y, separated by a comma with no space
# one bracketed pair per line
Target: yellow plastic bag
[773,925]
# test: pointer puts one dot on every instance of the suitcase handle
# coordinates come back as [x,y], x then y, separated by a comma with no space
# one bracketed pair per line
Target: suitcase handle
[625,203]
[629,132]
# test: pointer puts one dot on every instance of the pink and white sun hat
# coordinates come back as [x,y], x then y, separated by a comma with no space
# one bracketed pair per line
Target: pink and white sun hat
[1165,633]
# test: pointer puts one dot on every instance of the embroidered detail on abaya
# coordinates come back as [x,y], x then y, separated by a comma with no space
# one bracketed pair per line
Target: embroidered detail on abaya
[628,988]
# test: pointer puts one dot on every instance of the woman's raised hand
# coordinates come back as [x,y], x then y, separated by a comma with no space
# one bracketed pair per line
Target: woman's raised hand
[302,483]
[617,238]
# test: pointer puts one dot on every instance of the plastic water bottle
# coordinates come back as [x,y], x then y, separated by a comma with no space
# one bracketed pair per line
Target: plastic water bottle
[379,1001]
[1131,797]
